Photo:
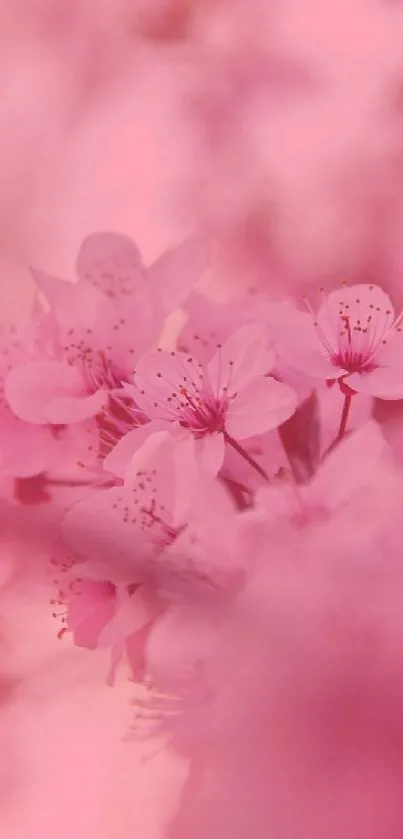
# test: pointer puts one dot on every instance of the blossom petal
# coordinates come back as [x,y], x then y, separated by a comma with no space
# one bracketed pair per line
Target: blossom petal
[132,614]
[349,466]
[313,363]
[175,273]
[261,406]
[162,378]
[26,450]
[101,529]
[111,262]
[32,387]
[383,382]
[89,610]
[210,452]
[118,460]
[242,358]
[53,288]
[75,409]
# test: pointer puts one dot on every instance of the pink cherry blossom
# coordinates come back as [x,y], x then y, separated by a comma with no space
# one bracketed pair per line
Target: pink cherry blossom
[102,615]
[27,449]
[169,535]
[353,339]
[95,330]
[344,474]
[230,399]
[124,529]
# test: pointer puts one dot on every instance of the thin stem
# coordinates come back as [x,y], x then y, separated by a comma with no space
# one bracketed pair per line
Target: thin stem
[343,425]
[344,417]
[252,462]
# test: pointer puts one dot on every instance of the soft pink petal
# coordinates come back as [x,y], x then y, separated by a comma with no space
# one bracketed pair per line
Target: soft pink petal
[133,613]
[161,378]
[390,353]
[80,309]
[175,273]
[111,262]
[313,363]
[383,382]
[32,387]
[143,309]
[75,409]
[210,452]
[26,450]
[188,477]
[349,467]
[153,455]
[53,288]
[242,358]
[261,406]
[99,530]
[121,455]
[89,610]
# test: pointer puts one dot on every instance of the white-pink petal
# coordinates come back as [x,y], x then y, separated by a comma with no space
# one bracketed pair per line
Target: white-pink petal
[176,271]
[349,467]
[313,363]
[262,405]
[31,388]
[242,358]
[383,382]
[65,410]
[133,614]
[111,262]
[210,451]
[119,459]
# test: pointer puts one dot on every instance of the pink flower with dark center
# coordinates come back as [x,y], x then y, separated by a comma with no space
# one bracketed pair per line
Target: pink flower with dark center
[230,399]
[355,339]
[95,330]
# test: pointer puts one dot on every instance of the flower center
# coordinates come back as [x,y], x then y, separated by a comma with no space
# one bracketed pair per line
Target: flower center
[353,334]
[120,416]
[202,414]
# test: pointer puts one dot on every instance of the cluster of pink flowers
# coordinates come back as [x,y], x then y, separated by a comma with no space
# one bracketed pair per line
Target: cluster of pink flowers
[174,463]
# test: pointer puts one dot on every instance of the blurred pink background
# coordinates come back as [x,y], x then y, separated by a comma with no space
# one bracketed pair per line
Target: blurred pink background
[278,130]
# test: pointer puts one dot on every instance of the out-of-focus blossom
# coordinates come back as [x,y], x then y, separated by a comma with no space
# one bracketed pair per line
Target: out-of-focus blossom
[152,542]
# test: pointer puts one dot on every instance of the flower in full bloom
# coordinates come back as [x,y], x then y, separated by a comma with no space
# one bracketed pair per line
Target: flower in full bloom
[355,339]
[230,399]
[95,330]
[157,539]
[26,449]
